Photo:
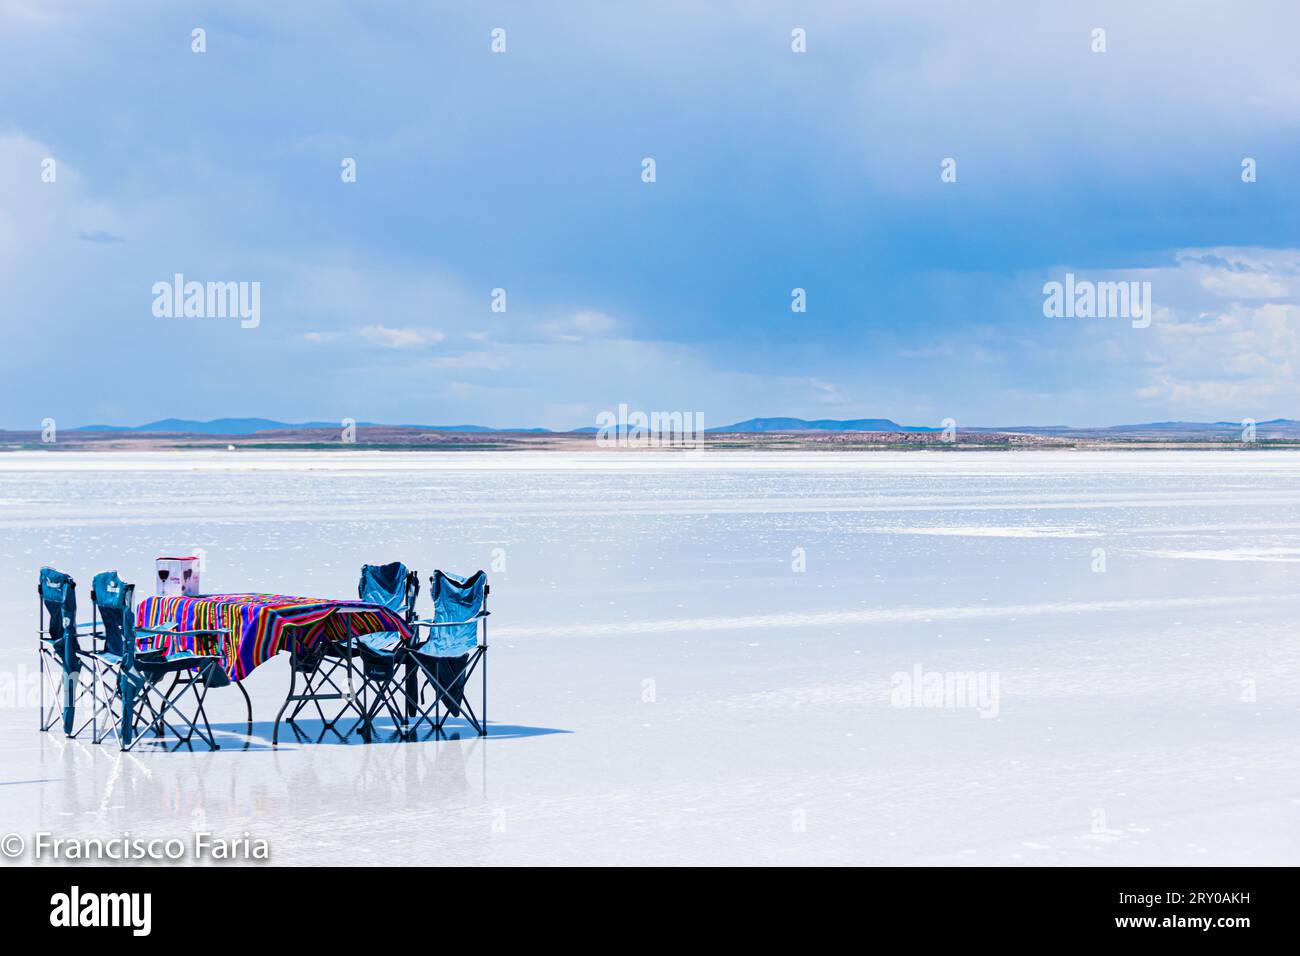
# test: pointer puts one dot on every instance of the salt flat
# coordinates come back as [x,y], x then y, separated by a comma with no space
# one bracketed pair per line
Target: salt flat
[696,659]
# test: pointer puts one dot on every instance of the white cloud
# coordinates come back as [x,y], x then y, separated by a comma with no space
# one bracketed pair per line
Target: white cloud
[579,326]
[485,361]
[1228,339]
[321,338]
[401,338]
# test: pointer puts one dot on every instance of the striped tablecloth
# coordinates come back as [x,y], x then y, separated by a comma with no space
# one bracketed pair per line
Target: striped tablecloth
[263,624]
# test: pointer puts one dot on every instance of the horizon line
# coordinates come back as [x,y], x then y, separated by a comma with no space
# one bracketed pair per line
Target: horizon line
[799,423]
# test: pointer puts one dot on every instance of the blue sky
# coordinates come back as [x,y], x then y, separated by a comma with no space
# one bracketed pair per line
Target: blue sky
[522,171]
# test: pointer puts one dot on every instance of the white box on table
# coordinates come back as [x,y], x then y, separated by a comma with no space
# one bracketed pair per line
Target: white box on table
[176,576]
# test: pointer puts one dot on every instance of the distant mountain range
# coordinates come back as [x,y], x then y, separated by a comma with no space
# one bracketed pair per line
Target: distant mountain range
[1288,426]
[820,425]
[251,426]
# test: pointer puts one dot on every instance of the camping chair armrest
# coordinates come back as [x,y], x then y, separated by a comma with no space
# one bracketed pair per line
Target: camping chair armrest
[144,633]
[169,632]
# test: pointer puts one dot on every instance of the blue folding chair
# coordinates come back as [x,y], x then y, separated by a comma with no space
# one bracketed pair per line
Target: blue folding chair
[130,678]
[61,670]
[395,587]
[445,658]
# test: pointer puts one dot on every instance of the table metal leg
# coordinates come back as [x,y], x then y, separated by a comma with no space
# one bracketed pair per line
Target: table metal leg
[248,703]
[293,684]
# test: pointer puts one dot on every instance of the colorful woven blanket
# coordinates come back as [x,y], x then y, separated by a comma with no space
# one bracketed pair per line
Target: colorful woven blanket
[262,624]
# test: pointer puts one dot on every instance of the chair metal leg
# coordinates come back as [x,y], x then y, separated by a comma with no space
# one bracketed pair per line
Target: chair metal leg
[41,717]
[195,684]
[434,714]
[201,692]
[412,678]
[104,706]
[45,722]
